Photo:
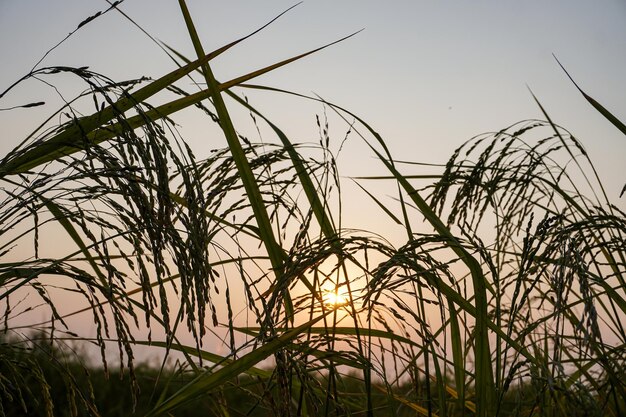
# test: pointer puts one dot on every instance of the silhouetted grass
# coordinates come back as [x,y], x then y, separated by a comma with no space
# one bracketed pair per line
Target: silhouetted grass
[506,296]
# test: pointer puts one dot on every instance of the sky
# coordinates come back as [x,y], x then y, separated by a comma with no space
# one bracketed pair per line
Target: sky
[426,75]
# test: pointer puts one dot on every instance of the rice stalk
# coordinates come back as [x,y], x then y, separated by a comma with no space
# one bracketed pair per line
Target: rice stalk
[509,302]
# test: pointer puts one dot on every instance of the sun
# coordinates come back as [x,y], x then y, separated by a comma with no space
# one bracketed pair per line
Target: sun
[335,299]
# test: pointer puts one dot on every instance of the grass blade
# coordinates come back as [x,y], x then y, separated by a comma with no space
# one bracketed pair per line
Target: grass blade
[205,382]
[275,253]
[600,108]
[72,139]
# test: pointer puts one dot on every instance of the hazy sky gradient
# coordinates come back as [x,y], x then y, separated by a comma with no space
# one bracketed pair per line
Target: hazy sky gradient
[426,75]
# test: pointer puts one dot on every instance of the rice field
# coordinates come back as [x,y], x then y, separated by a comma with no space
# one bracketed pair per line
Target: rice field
[505,295]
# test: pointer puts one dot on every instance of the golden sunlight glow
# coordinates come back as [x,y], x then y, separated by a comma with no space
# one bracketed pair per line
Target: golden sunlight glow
[335,299]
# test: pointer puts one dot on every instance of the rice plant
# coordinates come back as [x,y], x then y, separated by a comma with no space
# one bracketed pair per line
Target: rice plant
[505,297]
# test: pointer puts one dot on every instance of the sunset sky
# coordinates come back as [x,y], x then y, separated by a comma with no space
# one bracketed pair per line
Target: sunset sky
[426,75]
